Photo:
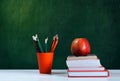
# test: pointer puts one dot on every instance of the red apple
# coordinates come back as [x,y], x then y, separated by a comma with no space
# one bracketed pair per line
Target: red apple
[80,47]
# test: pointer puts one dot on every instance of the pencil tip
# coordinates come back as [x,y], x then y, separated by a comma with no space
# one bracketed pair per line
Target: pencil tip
[46,40]
[34,37]
[56,36]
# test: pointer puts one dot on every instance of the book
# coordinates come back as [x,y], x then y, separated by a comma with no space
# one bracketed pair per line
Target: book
[82,57]
[98,73]
[83,63]
[86,68]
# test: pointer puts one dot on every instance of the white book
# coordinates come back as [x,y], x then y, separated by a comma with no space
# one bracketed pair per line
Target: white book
[103,73]
[86,68]
[82,57]
[83,63]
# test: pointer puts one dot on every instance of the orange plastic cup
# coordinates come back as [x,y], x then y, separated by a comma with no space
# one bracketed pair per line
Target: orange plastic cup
[45,62]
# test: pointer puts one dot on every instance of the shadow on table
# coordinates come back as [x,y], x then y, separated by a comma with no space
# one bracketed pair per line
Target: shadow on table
[60,73]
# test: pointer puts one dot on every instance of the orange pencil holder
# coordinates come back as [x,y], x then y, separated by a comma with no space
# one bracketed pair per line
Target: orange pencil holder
[45,61]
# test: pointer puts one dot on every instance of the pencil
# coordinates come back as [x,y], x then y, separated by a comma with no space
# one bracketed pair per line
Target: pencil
[46,40]
[54,44]
[39,44]
[36,43]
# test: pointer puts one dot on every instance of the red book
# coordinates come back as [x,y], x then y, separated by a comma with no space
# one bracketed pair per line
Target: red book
[92,73]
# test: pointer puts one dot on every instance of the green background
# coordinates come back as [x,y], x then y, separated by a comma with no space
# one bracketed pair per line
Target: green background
[96,20]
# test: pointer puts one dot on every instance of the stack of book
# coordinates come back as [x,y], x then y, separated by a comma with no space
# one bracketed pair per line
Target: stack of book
[85,66]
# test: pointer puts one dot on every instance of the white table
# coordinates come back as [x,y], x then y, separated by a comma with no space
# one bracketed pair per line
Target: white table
[57,75]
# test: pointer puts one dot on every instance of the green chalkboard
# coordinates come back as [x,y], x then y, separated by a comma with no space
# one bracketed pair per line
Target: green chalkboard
[96,20]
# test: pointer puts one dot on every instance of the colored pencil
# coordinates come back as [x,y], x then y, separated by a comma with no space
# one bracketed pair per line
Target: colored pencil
[41,49]
[54,44]
[36,43]
[46,40]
